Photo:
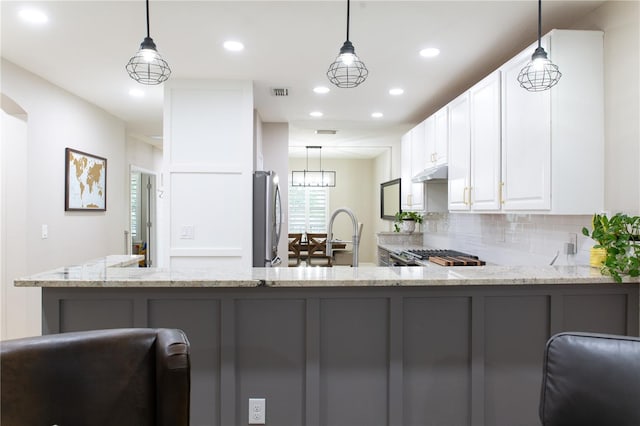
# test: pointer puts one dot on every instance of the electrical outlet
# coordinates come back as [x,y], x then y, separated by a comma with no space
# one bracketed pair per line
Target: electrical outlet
[257,411]
[187,232]
[571,247]
[45,232]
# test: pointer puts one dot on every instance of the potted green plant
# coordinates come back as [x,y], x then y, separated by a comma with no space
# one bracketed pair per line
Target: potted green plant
[618,240]
[406,221]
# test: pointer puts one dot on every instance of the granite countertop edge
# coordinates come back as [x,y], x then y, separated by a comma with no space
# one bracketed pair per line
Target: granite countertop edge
[95,274]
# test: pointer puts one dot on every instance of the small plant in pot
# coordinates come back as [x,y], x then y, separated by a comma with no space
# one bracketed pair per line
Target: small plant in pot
[618,240]
[406,221]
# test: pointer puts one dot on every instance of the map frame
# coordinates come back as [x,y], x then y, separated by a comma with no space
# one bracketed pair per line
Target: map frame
[69,204]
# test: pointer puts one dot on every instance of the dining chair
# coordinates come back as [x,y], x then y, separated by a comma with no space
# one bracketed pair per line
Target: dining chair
[294,248]
[125,377]
[318,250]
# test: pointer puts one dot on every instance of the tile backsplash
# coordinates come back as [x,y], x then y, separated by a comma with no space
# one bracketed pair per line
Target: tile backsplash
[510,239]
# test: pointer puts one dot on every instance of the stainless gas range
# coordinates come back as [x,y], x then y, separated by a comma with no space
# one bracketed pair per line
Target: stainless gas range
[417,257]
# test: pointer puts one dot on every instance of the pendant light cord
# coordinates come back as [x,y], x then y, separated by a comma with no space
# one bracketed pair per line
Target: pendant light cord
[148,36]
[347,20]
[539,21]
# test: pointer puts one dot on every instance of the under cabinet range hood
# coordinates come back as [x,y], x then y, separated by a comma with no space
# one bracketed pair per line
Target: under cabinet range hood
[432,173]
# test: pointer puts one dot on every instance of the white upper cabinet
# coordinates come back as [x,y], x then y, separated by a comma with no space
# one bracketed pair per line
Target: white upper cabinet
[553,141]
[405,171]
[511,150]
[418,154]
[526,144]
[474,142]
[459,153]
[429,141]
[436,131]
[411,162]
[484,108]
[441,141]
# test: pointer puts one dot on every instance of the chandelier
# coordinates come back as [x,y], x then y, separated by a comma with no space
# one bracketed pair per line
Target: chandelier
[317,178]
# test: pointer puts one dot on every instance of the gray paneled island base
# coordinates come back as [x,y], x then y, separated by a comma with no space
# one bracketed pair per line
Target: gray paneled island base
[352,346]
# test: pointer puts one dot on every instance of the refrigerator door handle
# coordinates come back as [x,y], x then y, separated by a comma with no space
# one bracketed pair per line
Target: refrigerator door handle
[279,229]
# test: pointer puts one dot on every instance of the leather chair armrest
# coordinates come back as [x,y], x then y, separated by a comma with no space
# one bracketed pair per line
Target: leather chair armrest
[173,375]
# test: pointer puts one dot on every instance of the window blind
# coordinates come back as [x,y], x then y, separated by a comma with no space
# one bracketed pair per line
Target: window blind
[308,209]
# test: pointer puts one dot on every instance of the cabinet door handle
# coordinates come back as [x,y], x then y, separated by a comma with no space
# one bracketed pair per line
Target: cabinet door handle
[464,196]
[501,192]
[470,189]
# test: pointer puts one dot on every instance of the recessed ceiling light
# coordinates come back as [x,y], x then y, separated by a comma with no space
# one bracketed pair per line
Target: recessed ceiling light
[33,16]
[326,132]
[315,114]
[136,93]
[377,115]
[396,91]
[233,46]
[156,137]
[321,90]
[430,52]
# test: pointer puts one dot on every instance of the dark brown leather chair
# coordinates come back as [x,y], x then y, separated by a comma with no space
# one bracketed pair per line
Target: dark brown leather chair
[135,377]
[591,379]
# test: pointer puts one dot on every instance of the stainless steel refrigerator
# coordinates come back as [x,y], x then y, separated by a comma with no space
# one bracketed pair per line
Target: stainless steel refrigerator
[267,218]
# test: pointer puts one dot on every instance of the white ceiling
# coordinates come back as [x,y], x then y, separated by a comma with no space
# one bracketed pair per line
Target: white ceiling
[85,46]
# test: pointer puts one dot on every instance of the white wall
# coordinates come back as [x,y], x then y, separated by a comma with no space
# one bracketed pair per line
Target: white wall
[56,120]
[382,169]
[144,156]
[620,21]
[207,174]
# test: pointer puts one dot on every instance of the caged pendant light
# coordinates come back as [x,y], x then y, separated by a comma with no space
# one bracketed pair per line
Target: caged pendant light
[347,70]
[540,73]
[147,66]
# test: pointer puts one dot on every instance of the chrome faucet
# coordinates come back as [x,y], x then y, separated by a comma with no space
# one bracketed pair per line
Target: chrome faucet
[356,237]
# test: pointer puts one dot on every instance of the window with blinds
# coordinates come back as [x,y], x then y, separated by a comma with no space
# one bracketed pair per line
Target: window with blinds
[135,205]
[308,209]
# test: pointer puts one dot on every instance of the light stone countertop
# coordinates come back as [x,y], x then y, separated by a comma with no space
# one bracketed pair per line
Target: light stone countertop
[103,273]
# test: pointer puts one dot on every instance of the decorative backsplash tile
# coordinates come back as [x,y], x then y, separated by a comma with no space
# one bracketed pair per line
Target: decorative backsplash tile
[510,239]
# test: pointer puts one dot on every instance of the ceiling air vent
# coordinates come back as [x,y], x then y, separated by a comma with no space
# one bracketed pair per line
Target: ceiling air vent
[326,132]
[279,91]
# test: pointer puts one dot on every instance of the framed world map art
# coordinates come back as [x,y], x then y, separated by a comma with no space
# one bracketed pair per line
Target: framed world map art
[85,181]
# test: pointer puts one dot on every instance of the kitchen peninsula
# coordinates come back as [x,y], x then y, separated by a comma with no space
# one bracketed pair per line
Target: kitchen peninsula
[429,345]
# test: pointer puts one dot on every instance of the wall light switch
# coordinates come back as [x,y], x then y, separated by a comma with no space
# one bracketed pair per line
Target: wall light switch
[45,232]
[257,411]
[187,232]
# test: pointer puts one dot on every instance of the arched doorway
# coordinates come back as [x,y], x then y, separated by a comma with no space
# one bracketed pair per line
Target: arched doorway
[20,307]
